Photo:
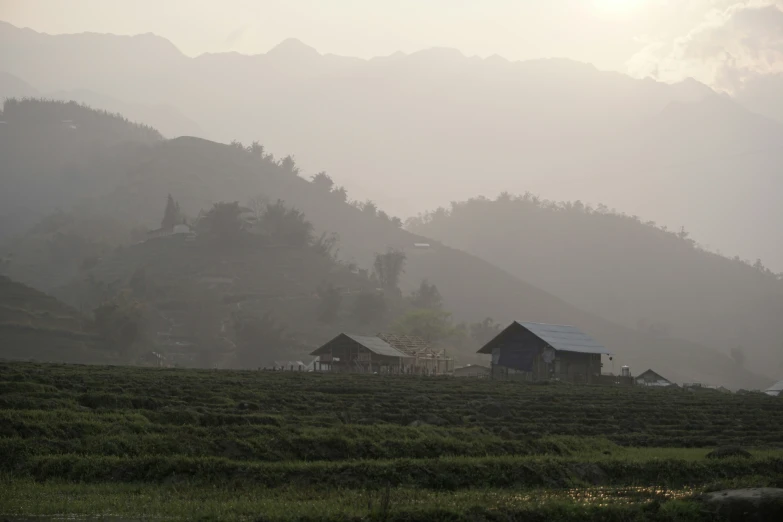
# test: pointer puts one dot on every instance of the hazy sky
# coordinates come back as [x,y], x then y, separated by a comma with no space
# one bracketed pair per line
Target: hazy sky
[720,42]
[607,33]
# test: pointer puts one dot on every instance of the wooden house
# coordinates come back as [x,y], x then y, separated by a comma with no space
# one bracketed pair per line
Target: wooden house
[384,353]
[536,351]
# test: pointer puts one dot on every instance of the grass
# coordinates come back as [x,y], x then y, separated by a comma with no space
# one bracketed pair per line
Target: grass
[232,445]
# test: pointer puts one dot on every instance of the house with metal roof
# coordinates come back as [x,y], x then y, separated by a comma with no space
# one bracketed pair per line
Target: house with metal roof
[775,390]
[536,351]
[383,353]
[651,378]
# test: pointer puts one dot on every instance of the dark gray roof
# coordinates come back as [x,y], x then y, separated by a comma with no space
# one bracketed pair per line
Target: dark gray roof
[374,344]
[565,338]
[559,337]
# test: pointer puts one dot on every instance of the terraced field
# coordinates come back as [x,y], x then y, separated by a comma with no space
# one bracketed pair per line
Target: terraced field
[179,444]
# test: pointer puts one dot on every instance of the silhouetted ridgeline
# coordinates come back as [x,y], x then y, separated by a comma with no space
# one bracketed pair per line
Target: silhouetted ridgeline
[629,271]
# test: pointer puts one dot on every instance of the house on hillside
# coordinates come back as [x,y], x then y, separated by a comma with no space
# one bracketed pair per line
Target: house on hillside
[651,378]
[180,230]
[471,370]
[383,353]
[775,390]
[535,351]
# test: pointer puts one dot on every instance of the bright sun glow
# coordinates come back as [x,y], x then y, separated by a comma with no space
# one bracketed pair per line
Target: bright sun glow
[617,6]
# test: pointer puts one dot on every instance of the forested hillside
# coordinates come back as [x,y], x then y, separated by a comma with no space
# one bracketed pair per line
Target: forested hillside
[657,281]
[200,173]
[53,154]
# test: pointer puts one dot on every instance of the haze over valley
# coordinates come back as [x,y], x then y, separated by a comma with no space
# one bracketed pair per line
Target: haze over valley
[576,154]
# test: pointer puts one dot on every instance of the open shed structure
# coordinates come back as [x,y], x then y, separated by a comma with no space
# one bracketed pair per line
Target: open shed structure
[536,351]
[654,379]
[384,353]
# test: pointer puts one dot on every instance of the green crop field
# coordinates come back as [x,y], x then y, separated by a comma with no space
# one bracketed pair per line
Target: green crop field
[133,443]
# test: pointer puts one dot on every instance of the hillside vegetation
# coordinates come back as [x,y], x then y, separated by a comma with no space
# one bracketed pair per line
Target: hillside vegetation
[326,447]
[199,173]
[34,325]
[54,154]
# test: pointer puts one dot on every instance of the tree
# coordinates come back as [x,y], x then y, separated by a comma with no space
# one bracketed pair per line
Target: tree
[427,296]
[389,267]
[369,208]
[340,193]
[256,149]
[257,206]
[369,307]
[431,325]
[326,245]
[287,226]
[172,216]
[223,221]
[484,331]
[119,322]
[330,299]
[323,182]
[288,164]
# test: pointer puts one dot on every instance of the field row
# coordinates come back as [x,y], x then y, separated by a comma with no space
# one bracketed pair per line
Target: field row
[654,468]
[250,502]
[59,403]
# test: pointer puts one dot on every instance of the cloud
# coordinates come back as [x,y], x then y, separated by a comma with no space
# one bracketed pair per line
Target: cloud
[731,46]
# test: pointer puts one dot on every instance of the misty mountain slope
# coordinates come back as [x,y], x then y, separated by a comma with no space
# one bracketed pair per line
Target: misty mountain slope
[34,325]
[447,127]
[624,270]
[54,154]
[165,118]
[13,87]
[212,283]
[198,171]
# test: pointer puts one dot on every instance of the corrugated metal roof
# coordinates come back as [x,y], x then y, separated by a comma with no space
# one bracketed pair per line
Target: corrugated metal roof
[776,387]
[565,338]
[376,345]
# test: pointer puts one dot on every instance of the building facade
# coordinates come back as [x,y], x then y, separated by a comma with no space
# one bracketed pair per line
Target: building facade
[537,351]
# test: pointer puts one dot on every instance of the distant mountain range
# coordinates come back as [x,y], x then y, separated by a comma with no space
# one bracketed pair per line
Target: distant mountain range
[445,127]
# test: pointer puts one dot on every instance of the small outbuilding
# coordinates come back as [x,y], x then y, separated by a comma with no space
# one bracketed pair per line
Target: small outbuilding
[536,351]
[775,390]
[651,378]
